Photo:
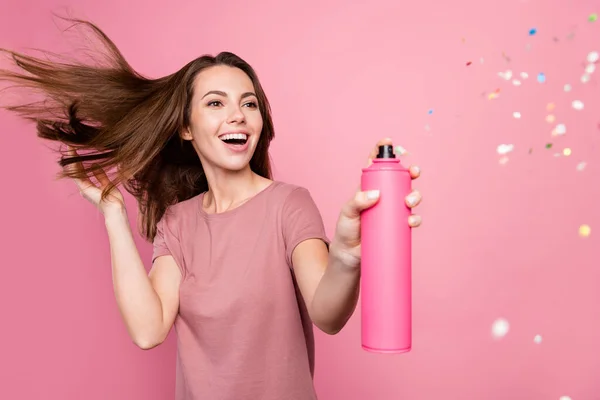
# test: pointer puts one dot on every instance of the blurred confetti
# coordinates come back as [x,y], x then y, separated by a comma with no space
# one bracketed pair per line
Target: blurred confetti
[593,17]
[537,339]
[500,328]
[532,31]
[577,104]
[504,149]
[585,230]
[581,166]
[541,77]
[564,398]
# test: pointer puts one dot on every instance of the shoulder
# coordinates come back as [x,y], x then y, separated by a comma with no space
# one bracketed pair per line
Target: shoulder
[288,192]
[180,211]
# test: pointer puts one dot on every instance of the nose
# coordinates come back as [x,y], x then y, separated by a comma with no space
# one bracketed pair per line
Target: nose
[236,116]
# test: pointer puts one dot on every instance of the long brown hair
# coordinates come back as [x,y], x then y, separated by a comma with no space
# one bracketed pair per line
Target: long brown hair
[121,121]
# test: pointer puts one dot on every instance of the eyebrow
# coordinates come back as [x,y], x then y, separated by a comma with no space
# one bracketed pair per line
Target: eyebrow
[220,93]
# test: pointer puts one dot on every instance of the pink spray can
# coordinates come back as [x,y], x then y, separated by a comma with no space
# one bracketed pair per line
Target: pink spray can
[386,307]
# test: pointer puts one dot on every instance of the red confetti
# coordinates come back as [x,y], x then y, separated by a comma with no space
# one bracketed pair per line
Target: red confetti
[468,63]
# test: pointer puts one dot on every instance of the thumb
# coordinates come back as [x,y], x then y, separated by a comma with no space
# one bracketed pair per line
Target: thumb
[360,202]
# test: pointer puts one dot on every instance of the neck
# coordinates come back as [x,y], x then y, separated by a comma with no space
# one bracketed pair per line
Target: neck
[229,189]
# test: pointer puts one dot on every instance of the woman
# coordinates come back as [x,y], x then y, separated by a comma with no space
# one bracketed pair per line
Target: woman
[242,266]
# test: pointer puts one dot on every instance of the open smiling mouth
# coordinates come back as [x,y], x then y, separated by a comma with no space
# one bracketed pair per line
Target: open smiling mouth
[239,139]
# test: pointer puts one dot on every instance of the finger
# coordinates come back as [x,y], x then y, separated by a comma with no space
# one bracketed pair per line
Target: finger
[100,175]
[414,221]
[360,202]
[415,171]
[373,154]
[413,199]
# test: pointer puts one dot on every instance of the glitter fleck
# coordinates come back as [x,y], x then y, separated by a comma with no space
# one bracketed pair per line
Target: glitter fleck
[532,31]
[505,148]
[585,230]
[581,166]
[593,56]
[541,77]
[517,114]
[577,104]
[537,339]
[567,88]
[500,328]
[566,152]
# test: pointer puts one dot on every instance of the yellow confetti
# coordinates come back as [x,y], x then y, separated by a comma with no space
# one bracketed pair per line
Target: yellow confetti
[550,118]
[585,230]
[567,151]
[550,106]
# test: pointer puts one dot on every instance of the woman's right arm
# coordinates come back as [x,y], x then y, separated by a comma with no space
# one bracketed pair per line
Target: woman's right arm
[148,302]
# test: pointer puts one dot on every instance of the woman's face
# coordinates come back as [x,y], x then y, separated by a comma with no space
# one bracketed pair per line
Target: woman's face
[225,121]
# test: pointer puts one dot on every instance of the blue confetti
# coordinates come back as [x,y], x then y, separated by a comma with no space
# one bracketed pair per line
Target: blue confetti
[430,112]
[532,31]
[541,77]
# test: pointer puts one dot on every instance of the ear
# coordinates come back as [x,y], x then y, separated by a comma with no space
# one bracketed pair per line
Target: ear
[186,134]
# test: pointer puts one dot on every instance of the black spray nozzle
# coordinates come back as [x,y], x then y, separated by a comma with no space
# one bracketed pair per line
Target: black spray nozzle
[386,151]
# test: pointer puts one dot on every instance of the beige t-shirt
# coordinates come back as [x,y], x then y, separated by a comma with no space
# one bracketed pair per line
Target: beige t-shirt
[243,330]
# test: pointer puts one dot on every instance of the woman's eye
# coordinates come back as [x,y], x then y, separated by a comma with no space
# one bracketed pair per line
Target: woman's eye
[214,103]
[251,104]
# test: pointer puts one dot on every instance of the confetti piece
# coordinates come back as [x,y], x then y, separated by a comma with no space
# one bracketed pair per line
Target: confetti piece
[567,88]
[585,230]
[577,104]
[593,56]
[516,82]
[566,152]
[481,60]
[505,75]
[590,68]
[503,160]
[585,78]
[548,145]
[559,130]
[593,17]
[524,75]
[564,398]
[505,148]
[550,106]
[469,63]
[532,31]
[500,328]
[517,114]
[537,339]
[550,118]
[430,111]
[541,77]
[581,166]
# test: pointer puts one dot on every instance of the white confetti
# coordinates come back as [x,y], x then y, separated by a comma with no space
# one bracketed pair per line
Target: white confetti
[537,339]
[577,104]
[581,166]
[585,78]
[516,82]
[567,88]
[559,130]
[524,75]
[590,68]
[500,328]
[564,398]
[505,75]
[503,160]
[505,149]
[593,56]
[517,114]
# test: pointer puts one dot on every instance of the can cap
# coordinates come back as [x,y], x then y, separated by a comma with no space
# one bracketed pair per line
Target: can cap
[386,151]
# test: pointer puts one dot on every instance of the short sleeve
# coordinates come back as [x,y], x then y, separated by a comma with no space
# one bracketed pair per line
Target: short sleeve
[160,247]
[301,221]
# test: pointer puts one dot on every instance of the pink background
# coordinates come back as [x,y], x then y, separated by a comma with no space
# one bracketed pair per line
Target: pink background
[499,240]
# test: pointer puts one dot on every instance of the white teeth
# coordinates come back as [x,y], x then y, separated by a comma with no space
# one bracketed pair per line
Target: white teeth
[231,136]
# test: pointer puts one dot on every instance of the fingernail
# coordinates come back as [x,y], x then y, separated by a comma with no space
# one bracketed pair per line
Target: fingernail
[414,220]
[412,199]
[417,169]
[400,150]
[372,194]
